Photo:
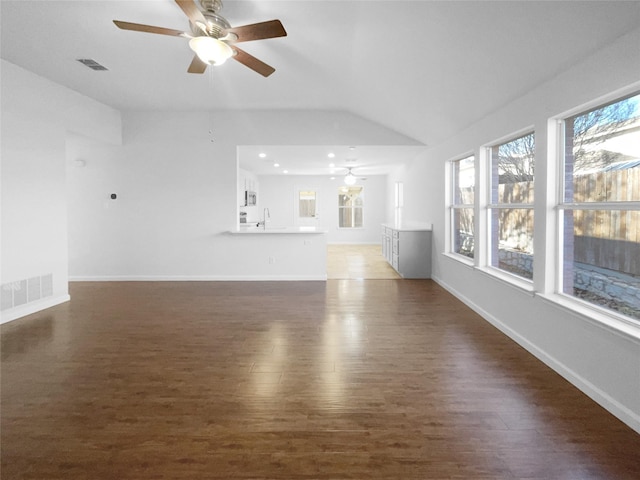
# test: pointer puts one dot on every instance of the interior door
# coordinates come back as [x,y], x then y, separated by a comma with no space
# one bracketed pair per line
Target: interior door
[306,202]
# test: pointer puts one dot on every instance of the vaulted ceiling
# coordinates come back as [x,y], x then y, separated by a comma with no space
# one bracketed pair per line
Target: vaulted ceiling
[423,68]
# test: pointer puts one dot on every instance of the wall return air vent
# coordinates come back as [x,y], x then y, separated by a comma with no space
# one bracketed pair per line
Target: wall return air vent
[21,292]
[92,64]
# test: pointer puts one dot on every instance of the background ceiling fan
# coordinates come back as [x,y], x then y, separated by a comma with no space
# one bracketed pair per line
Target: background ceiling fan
[213,39]
[350,178]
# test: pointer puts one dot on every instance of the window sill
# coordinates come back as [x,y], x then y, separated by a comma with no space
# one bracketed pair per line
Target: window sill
[459,258]
[611,322]
[508,279]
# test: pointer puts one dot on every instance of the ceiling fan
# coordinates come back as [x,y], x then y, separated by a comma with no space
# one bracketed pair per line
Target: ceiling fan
[213,39]
[350,178]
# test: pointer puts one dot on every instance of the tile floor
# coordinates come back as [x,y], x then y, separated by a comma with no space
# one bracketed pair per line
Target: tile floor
[358,262]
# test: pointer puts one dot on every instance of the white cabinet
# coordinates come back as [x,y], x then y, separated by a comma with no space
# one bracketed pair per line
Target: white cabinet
[408,250]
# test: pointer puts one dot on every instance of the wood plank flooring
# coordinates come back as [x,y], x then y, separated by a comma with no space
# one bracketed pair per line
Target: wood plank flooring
[358,262]
[344,379]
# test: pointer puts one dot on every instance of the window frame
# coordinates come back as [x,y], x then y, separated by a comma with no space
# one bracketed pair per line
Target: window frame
[353,207]
[454,206]
[491,206]
[603,315]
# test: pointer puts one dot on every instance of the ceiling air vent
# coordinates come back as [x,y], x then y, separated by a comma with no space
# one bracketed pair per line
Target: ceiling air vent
[92,64]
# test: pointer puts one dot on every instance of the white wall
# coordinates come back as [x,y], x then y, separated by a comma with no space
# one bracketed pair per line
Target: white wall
[177,195]
[94,172]
[603,362]
[36,116]
[278,194]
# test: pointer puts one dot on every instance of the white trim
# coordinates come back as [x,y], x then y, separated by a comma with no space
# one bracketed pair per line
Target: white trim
[32,307]
[523,132]
[341,242]
[599,206]
[466,261]
[606,319]
[198,278]
[611,97]
[631,418]
[459,206]
[464,156]
[451,207]
[511,206]
[507,278]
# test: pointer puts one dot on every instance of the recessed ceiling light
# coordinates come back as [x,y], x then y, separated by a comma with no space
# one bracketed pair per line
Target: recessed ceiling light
[332,171]
[262,155]
[285,171]
[331,155]
[333,178]
[352,148]
[276,164]
[331,165]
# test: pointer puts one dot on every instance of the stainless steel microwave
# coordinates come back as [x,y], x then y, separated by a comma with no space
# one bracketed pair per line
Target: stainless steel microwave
[250,198]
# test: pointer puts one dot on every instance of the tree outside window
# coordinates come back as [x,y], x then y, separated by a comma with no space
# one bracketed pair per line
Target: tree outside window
[511,206]
[600,210]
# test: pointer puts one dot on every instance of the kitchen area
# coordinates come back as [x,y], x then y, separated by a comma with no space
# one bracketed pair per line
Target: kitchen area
[277,210]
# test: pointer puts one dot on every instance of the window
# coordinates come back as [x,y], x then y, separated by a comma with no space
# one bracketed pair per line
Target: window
[462,206]
[600,207]
[307,203]
[511,206]
[350,205]
[398,200]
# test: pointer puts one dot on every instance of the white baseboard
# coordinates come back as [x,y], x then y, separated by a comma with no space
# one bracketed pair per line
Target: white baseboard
[626,415]
[196,278]
[32,307]
[355,243]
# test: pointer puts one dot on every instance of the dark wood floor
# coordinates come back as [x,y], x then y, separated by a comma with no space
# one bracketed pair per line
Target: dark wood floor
[348,379]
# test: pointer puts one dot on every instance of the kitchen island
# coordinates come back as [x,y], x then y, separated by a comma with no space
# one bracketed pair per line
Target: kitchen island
[280,253]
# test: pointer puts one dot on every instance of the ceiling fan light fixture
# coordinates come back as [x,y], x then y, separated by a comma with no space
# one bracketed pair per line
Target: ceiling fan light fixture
[211,50]
[350,178]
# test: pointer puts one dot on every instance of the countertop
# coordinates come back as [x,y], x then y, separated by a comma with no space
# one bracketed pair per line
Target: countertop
[410,227]
[253,230]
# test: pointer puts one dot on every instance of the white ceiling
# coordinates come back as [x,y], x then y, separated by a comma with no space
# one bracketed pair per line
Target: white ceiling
[315,160]
[423,68]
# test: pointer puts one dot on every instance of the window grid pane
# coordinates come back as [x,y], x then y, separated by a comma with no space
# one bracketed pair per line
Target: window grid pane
[511,208]
[464,181]
[602,155]
[462,206]
[512,240]
[601,222]
[463,231]
[601,258]
[350,206]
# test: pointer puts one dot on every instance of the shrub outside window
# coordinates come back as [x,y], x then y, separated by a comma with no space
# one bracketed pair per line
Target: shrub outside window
[600,208]
[462,206]
[511,206]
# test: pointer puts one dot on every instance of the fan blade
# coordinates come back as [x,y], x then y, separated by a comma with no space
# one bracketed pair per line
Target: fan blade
[252,62]
[258,31]
[138,27]
[197,65]
[191,11]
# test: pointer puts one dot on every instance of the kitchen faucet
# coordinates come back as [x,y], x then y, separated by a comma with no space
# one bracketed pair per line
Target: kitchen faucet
[265,215]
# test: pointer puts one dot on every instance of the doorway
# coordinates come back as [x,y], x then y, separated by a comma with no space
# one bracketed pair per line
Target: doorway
[306,206]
